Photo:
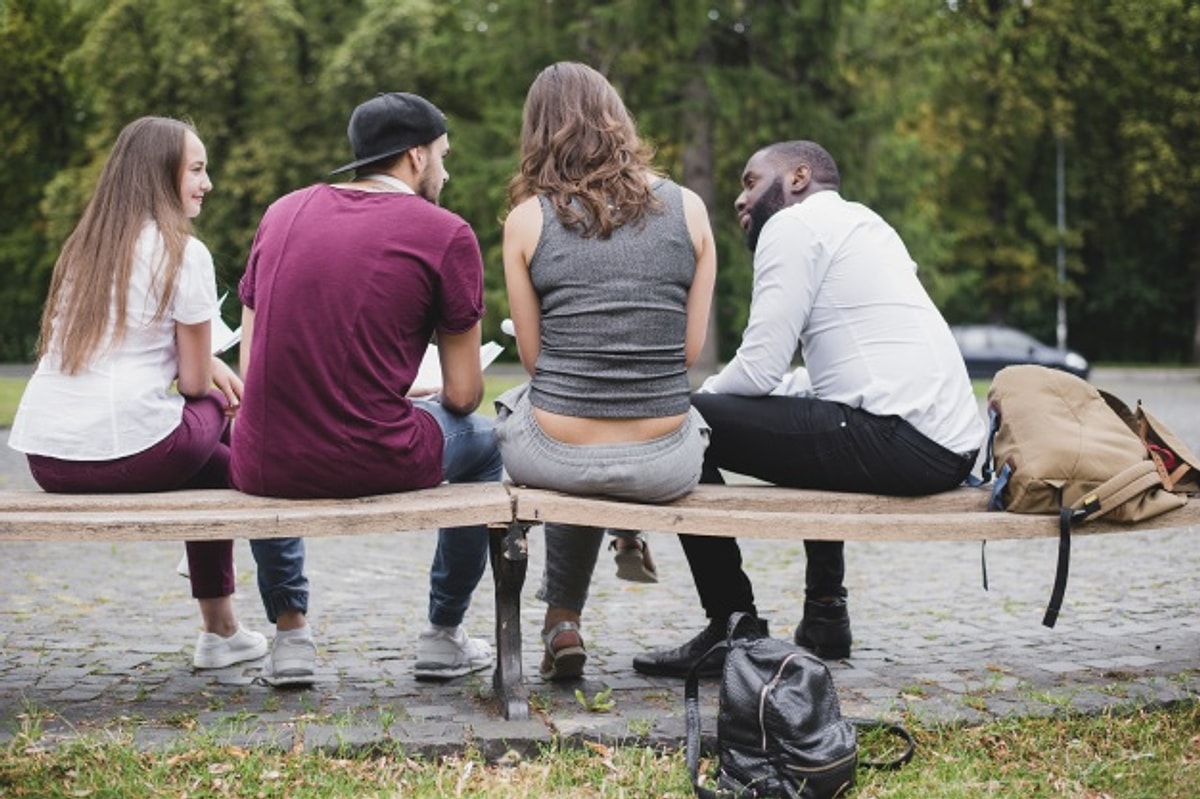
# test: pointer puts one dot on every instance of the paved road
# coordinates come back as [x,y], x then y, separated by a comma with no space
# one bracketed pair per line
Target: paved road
[99,636]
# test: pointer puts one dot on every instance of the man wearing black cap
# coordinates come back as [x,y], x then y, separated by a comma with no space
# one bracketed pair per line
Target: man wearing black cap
[344,288]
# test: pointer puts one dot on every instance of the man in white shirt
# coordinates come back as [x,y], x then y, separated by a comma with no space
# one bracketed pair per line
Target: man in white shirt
[883,405]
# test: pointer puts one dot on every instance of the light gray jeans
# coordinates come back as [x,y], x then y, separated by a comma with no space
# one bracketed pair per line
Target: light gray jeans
[654,471]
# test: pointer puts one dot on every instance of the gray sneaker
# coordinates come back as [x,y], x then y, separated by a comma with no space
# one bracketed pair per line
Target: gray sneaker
[292,661]
[442,654]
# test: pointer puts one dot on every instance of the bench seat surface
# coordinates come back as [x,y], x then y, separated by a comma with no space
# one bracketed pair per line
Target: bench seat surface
[761,511]
[747,511]
[218,514]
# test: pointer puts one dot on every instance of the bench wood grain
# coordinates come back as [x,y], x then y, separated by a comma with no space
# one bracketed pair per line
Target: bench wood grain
[221,514]
[763,511]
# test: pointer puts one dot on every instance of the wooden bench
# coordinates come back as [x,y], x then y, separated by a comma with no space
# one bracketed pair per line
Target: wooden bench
[753,511]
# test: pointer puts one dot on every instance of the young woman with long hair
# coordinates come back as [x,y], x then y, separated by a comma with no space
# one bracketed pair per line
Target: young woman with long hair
[129,315]
[609,269]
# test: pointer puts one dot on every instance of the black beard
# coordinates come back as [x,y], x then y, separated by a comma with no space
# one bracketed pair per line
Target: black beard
[767,206]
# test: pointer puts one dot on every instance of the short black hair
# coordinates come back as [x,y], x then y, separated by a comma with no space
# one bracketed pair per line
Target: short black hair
[794,153]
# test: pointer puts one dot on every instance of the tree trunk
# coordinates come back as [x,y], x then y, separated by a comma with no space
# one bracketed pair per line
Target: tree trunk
[698,168]
[1196,319]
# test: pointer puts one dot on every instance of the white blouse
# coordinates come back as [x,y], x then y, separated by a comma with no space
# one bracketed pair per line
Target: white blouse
[121,403]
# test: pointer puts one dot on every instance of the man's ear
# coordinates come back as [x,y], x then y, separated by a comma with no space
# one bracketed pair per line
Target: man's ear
[799,178]
[416,158]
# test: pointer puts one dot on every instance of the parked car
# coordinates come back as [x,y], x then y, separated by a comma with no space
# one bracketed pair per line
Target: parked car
[989,348]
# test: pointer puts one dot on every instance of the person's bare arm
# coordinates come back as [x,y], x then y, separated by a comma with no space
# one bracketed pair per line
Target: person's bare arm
[199,370]
[247,337]
[522,229]
[699,301]
[462,375]
[194,345]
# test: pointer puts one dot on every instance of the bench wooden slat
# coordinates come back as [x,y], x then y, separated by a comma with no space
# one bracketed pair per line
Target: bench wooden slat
[219,514]
[759,511]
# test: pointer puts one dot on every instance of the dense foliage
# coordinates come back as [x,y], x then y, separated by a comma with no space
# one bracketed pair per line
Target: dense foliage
[947,116]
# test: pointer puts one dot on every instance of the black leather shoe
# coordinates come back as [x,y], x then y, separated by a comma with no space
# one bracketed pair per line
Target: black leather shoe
[825,629]
[678,662]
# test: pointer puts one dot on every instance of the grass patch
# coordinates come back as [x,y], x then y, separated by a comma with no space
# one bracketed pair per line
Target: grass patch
[1147,753]
[496,384]
[11,389]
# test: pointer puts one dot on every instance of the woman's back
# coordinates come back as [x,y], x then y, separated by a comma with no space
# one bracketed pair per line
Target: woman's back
[614,315]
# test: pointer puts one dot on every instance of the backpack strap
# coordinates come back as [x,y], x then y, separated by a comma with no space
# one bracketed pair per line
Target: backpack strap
[986,469]
[1066,517]
[1108,495]
[1118,490]
[896,730]
[741,625]
[691,704]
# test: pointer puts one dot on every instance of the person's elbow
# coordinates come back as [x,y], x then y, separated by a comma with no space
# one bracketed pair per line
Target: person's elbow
[462,399]
[191,386]
[194,378]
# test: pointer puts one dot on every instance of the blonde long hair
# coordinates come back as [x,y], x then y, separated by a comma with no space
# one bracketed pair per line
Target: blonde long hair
[579,143]
[139,184]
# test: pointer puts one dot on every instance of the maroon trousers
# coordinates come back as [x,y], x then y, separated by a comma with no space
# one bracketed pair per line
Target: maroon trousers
[194,455]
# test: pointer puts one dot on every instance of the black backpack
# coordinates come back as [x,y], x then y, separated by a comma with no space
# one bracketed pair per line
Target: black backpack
[780,730]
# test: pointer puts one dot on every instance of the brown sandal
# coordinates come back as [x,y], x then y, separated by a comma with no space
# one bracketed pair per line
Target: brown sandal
[565,663]
[634,562]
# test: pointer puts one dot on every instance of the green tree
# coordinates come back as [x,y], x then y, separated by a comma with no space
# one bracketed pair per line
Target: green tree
[241,71]
[944,115]
[36,126]
[1137,147]
[982,92]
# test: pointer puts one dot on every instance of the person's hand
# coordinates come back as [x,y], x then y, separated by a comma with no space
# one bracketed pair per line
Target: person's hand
[229,384]
[424,391]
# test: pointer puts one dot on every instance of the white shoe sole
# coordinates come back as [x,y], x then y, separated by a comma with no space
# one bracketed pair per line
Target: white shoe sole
[285,680]
[231,658]
[425,670]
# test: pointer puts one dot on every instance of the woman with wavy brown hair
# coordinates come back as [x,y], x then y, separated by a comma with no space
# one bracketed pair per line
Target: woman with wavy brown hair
[129,314]
[609,268]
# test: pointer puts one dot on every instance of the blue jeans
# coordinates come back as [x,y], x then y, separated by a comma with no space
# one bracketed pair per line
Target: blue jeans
[470,456]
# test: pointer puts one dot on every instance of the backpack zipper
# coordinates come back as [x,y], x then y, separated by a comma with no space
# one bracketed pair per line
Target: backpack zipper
[762,726]
[841,761]
[762,698]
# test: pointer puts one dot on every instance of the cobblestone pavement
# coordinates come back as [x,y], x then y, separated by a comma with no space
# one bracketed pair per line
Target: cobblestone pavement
[96,638]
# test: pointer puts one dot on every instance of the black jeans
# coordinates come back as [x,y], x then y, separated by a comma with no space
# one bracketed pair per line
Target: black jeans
[801,442]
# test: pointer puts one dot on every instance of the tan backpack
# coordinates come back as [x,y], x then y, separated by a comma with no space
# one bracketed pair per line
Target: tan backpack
[1059,445]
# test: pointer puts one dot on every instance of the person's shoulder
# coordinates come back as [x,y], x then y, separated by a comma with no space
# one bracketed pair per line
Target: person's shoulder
[814,208]
[434,213]
[524,212]
[690,198]
[532,201]
[195,249]
[293,197]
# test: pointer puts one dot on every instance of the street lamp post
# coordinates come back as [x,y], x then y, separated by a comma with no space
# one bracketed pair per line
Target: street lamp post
[1061,202]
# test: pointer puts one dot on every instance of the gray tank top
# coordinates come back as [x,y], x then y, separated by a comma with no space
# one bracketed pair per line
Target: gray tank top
[614,315]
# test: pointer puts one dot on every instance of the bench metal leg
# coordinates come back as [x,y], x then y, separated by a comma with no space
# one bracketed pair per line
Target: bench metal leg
[510,558]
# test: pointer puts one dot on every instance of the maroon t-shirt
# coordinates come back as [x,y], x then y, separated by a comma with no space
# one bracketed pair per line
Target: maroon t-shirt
[347,288]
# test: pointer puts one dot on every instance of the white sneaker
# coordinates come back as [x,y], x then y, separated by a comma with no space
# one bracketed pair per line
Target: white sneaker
[215,652]
[443,654]
[292,661]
